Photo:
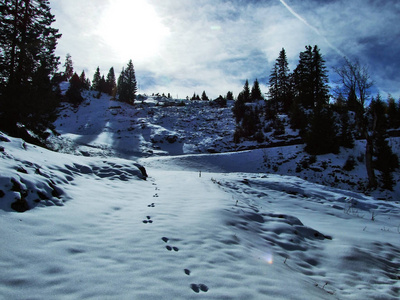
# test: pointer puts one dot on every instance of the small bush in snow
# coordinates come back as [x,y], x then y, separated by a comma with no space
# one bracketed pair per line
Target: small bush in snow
[350,163]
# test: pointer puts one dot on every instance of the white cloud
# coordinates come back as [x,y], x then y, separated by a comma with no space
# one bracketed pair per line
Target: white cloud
[214,45]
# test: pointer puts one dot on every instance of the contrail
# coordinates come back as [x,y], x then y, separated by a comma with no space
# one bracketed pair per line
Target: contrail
[310,26]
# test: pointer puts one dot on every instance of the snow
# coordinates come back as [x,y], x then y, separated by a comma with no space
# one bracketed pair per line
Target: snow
[207,226]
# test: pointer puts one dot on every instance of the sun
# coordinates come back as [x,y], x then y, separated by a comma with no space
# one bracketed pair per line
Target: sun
[132,29]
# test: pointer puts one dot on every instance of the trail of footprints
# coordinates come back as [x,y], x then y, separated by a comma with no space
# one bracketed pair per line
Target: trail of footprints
[197,288]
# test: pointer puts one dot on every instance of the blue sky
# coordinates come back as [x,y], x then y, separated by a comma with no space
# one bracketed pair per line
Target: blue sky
[186,46]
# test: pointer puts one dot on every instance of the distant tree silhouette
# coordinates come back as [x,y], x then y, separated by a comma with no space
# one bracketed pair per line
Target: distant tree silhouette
[256,92]
[69,69]
[279,82]
[204,96]
[96,80]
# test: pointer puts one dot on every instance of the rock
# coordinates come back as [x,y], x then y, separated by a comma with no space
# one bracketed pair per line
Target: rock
[20,205]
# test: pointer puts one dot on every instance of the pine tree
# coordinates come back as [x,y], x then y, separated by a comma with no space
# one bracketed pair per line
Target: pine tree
[239,107]
[385,160]
[302,79]
[127,85]
[69,69]
[102,85]
[256,92]
[319,79]
[204,96]
[322,135]
[229,95]
[393,113]
[284,95]
[246,92]
[96,80]
[111,84]
[73,93]
[85,83]
[27,60]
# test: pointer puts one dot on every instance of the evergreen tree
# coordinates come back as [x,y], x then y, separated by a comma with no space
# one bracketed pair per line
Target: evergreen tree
[102,88]
[111,85]
[273,93]
[385,160]
[393,113]
[322,136]
[85,82]
[229,95]
[73,93]
[96,80]
[69,69]
[27,60]
[302,79]
[204,96]
[284,93]
[246,92]
[240,103]
[256,92]
[320,79]
[127,85]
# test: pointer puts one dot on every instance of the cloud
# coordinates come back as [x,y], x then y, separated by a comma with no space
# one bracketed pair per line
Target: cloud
[214,45]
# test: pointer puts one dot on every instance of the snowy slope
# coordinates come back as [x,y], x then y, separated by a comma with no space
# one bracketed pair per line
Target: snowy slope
[209,226]
[158,126]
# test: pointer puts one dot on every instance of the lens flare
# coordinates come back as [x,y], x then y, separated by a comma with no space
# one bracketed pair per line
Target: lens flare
[264,256]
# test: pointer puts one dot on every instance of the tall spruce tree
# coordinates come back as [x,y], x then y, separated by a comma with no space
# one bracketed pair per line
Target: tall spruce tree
[96,80]
[127,85]
[111,84]
[27,60]
[319,76]
[256,92]
[69,68]
[302,79]
[279,82]
[85,82]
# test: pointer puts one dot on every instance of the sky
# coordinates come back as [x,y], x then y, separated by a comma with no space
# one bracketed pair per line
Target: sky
[190,46]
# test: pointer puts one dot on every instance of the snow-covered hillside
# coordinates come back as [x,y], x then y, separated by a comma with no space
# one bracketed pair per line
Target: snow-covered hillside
[158,126]
[232,225]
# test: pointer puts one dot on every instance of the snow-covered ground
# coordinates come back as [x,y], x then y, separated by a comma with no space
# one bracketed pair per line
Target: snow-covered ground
[209,226]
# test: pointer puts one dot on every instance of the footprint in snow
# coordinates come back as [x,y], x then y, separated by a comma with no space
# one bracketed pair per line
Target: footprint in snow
[151,205]
[199,287]
[149,220]
[187,272]
[155,195]
[168,247]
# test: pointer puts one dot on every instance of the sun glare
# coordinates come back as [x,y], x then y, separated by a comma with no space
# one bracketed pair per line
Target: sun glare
[132,29]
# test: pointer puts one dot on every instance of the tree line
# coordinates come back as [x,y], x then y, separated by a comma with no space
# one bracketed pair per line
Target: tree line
[124,89]
[304,97]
